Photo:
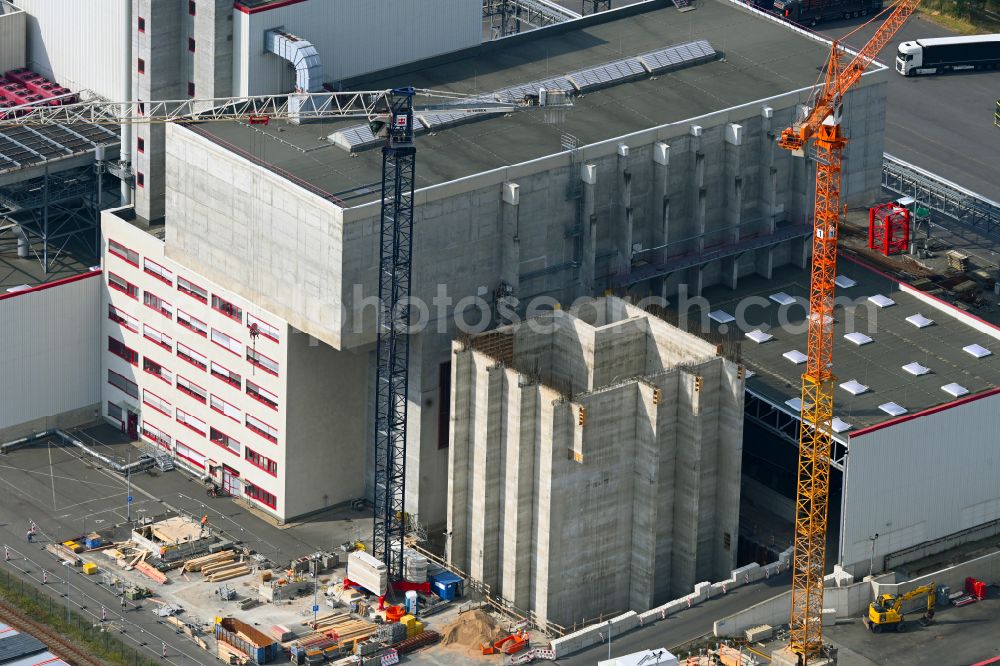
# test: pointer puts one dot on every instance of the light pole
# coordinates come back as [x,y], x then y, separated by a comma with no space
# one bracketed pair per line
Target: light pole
[609,639]
[871,559]
[128,486]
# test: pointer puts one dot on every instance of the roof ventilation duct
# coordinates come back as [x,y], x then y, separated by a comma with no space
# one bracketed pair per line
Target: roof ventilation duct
[302,54]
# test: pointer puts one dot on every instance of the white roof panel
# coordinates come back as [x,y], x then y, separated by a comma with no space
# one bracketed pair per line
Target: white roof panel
[977,350]
[854,387]
[795,403]
[956,390]
[892,409]
[844,282]
[838,425]
[919,320]
[916,369]
[881,301]
[721,316]
[795,356]
[759,336]
[781,298]
[858,338]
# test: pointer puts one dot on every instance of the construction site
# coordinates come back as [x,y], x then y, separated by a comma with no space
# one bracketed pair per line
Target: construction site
[579,330]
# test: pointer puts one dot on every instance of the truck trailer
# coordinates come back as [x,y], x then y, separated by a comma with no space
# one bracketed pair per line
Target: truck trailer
[811,12]
[944,54]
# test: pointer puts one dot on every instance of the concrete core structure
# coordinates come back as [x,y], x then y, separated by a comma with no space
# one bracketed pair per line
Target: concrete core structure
[594,461]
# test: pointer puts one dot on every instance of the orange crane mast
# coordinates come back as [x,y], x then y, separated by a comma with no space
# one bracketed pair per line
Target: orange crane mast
[821,126]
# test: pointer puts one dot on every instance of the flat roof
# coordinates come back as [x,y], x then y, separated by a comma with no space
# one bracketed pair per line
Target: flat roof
[878,365]
[763,59]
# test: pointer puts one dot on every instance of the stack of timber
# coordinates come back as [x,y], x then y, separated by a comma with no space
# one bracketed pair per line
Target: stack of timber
[341,627]
[225,570]
[151,572]
[199,563]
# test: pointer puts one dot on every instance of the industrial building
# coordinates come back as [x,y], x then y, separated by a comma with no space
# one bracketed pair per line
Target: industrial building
[594,462]
[650,182]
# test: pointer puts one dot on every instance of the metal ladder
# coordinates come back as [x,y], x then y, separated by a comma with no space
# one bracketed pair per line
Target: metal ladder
[684,5]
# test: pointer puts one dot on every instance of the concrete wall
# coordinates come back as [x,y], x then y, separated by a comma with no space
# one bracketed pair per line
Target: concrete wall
[51,356]
[352,37]
[13,24]
[919,504]
[634,505]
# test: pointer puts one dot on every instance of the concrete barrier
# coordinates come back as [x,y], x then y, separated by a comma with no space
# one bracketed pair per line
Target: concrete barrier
[985,568]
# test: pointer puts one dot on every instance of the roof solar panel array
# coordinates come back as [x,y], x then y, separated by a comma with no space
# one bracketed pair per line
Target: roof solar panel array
[607,74]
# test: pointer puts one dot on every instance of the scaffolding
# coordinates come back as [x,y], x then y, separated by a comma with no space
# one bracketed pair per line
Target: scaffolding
[507,17]
[595,6]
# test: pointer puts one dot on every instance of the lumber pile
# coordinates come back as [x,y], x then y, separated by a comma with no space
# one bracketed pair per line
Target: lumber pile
[198,563]
[230,655]
[151,572]
[342,626]
[231,570]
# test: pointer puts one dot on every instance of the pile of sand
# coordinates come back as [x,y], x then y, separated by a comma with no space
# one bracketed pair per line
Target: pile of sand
[470,630]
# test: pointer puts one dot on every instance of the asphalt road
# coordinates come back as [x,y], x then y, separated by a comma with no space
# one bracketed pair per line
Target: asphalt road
[942,122]
[685,626]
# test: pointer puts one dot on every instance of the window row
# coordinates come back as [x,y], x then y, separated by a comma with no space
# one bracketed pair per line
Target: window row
[256,325]
[155,435]
[224,440]
[119,316]
[123,384]
[262,462]
[257,493]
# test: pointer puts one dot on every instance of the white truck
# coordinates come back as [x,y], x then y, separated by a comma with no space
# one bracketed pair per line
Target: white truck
[944,54]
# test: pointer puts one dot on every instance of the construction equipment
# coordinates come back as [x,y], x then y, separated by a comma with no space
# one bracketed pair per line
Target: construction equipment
[821,129]
[391,116]
[886,611]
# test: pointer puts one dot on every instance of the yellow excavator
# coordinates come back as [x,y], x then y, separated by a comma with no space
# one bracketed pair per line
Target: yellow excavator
[885,612]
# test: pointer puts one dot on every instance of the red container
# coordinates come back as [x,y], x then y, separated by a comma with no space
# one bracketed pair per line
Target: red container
[970,585]
[980,590]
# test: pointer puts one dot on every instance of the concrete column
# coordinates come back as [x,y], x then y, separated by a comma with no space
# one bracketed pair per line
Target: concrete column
[510,243]
[734,175]
[764,260]
[698,186]
[661,205]
[801,249]
[687,487]
[481,532]
[730,271]
[458,523]
[518,507]
[588,259]
[644,501]
[696,280]
[624,238]
[768,173]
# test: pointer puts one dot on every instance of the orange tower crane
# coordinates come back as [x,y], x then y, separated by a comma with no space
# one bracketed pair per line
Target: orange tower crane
[821,126]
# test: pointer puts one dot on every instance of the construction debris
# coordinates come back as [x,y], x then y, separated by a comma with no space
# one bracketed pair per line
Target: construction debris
[470,630]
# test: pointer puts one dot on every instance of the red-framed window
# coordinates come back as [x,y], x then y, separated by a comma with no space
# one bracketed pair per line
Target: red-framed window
[187,386]
[119,250]
[141,24]
[227,308]
[140,144]
[191,356]
[192,323]
[140,66]
[157,370]
[161,339]
[140,178]
[224,440]
[185,452]
[120,350]
[260,461]
[158,271]
[120,284]
[156,402]
[259,494]
[256,425]
[227,375]
[262,395]
[189,421]
[155,435]
[223,407]
[192,8]
[140,107]
[191,44]
[191,289]
[263,362]
[123,384]
[265,329]
[154,302]
[115,412]
[226,342]
[190,89]
[123,318]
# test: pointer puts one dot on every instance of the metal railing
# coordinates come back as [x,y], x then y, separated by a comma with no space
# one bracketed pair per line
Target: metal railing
[941,196]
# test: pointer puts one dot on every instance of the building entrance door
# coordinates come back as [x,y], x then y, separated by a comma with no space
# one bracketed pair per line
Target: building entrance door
[132,425]
[231,481]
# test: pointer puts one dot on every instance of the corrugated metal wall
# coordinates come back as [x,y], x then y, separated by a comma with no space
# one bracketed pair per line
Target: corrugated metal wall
[50,354]
[12,37]
[352,37]
[922,479]
[77,43]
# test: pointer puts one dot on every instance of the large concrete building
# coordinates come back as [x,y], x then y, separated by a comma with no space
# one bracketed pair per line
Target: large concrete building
[656,183]
[594,461]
